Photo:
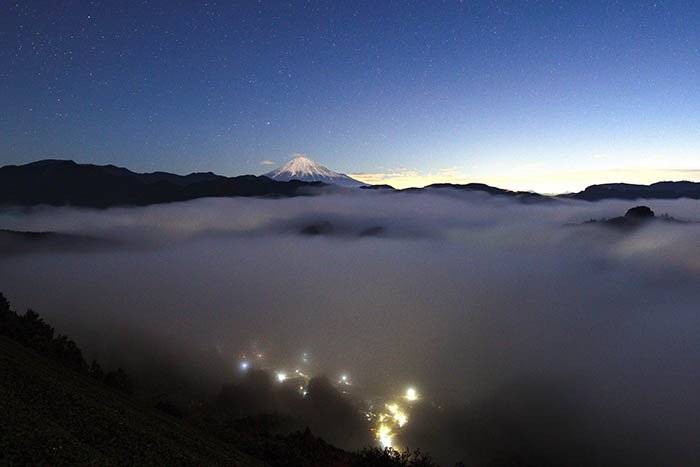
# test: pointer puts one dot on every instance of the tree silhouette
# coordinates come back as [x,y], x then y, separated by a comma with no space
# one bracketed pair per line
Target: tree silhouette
[31,330]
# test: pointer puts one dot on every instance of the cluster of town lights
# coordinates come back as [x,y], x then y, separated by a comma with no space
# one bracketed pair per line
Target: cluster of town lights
[392,418]
[387,423]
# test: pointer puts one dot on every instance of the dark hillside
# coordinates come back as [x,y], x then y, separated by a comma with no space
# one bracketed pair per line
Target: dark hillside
[52,415]
[56,409]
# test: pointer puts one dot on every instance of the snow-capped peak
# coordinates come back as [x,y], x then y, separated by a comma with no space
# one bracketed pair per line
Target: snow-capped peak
[304,169]
[302,166]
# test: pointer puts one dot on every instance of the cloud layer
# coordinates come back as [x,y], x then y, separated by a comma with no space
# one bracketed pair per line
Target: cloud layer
[530,339]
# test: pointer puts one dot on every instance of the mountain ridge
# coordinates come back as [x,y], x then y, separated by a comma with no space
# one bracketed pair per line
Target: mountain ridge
[65,182]
[59,182]
[630,191]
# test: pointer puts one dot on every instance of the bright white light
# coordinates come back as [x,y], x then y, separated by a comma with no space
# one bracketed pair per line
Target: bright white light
[344,379]
[244,365]
[397,414]
[385,436]
[411,394]
[281,376]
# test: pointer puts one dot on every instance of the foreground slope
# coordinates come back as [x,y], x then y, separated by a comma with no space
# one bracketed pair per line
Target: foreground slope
[52,415]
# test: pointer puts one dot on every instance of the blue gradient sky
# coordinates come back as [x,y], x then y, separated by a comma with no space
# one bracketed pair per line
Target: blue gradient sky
[543,95]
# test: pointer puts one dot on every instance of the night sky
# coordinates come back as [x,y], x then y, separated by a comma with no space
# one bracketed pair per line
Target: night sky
[540,94]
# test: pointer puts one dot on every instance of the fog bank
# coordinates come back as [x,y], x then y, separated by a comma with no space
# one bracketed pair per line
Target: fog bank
[530,338]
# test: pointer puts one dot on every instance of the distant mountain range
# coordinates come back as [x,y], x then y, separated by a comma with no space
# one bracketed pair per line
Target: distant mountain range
[659,190]
[63,182]
[521,196]
[306,170]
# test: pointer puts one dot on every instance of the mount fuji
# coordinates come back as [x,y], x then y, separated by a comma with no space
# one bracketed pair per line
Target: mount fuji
[306,170]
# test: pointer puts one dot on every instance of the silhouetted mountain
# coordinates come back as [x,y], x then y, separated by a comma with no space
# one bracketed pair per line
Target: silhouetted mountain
[659,190]
[522,196]
[378,187]
[635,217]
[325,228]
[153,177]
[64,182]
[60,182]
[16,243]
[640,212]
[317,228]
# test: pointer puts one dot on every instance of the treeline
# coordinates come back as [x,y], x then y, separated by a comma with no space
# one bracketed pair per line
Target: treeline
[30,330]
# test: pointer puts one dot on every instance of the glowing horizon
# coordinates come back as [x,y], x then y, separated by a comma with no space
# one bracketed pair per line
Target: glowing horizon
[542,182]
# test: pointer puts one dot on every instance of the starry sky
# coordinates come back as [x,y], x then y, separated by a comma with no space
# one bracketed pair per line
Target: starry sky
[544,95]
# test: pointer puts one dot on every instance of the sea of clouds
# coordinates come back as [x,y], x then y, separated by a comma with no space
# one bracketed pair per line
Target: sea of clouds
[530,337]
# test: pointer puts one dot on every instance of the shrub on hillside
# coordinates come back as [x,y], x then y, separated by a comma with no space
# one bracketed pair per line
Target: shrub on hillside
[30,330]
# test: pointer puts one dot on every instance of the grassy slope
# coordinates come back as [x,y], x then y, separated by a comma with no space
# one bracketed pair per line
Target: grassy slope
[50,415]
